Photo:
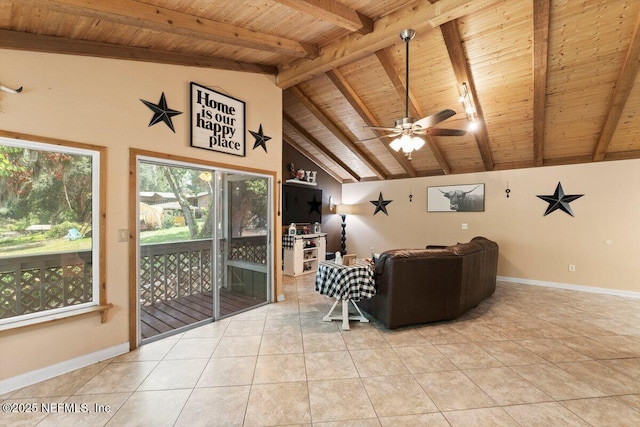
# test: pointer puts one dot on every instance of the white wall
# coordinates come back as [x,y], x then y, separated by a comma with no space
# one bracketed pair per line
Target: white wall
[97,101]
[532,246]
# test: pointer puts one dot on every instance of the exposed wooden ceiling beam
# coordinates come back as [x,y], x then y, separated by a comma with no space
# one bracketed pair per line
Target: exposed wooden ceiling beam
[437,153]
[144,15]
[313,158]
[352,97]
[623,155]
[570,160]
[621,92]
[336,131]
[50,44]
[458,58]
[521,164]
[421,16]
[334,12]
[540,59]
[414,106]
[318,146]
[398,83]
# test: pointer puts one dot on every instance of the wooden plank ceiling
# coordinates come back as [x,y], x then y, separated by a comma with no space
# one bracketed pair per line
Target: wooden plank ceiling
[551,82]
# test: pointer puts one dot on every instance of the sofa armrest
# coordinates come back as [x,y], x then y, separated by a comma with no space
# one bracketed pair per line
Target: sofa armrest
[415,285]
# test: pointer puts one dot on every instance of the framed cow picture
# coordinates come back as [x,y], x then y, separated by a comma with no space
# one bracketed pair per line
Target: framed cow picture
[456,198]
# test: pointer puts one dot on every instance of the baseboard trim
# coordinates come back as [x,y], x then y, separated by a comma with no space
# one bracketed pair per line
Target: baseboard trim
[29,378]
[617,292]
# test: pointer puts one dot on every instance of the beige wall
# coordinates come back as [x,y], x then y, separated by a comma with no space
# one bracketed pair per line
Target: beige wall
[532,246]
[97,101]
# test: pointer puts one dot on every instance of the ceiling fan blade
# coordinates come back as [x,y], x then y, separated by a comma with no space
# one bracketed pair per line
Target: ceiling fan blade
[446,132]
[382,128]
[434,119]
[391,135]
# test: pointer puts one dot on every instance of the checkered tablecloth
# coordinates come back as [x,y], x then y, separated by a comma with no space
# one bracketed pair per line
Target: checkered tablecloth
[343,282]
[287,241]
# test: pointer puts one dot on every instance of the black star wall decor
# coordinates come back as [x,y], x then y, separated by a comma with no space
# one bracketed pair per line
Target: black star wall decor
[559,200]
[314,205]
[161,113]
[261,139]
[381,204]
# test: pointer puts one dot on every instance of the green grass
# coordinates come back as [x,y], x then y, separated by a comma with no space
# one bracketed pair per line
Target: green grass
[37,244]
[165,235]
[45,246]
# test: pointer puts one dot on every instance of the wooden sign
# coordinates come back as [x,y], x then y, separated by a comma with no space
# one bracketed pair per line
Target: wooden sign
[217,121]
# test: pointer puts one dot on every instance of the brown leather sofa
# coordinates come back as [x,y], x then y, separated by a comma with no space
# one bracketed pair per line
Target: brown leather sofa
[433,284]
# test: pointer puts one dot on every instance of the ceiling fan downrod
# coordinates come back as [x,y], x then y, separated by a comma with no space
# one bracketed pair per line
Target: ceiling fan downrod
[407,35]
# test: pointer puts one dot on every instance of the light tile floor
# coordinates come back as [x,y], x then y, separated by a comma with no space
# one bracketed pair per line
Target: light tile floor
[528,356]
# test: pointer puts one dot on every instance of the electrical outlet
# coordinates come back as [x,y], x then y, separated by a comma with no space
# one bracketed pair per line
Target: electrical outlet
[572,268]
[465,226]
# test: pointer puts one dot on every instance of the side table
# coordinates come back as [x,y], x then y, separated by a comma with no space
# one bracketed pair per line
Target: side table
[346,283]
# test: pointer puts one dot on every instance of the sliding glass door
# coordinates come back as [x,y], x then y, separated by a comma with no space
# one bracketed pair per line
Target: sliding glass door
[203,245]
[244,251]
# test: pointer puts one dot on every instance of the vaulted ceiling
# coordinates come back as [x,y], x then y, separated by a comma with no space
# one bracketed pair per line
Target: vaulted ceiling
[552,82]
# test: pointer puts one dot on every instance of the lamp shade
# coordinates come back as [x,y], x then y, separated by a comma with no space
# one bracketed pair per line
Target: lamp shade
[343,209]
[396,144]
[417,142]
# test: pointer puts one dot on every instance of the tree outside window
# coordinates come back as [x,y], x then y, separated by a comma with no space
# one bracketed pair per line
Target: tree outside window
[47,223]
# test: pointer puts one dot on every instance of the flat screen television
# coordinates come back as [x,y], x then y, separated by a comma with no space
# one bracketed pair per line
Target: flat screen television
[301,205]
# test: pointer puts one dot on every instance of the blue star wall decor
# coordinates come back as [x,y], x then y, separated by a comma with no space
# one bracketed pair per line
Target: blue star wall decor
[161,113]
[559,200]
[380,204]
[261,139]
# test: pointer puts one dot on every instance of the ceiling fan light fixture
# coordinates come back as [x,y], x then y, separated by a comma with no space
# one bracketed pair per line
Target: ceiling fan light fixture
[396,145]
[405,143]
[417,142]
[473,125]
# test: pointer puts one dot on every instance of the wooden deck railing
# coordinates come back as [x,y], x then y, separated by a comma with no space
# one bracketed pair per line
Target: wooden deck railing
[251,249]
[35,283]
[173,270]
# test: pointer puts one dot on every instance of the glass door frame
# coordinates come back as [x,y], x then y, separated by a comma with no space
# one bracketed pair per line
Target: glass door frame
[223,221]
[137,156]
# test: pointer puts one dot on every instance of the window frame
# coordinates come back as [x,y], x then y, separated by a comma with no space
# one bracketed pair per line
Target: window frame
[98,221]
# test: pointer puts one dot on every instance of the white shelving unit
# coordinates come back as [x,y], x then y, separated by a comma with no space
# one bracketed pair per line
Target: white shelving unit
[308,250]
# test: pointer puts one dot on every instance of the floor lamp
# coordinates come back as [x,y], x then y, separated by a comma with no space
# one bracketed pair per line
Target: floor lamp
[343,211]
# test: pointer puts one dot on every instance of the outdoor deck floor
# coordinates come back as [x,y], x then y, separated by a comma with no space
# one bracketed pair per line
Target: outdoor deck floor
[169,315]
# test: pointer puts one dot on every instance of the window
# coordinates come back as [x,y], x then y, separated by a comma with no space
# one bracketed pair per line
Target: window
[49,231]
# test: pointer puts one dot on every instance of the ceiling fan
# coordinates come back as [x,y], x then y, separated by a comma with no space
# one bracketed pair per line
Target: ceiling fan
[408,131]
